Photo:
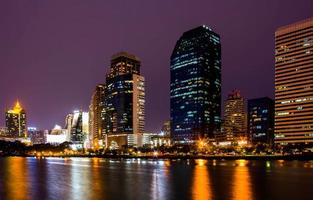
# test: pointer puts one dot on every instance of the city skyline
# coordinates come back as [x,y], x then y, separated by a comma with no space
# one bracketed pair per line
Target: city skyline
[49,93]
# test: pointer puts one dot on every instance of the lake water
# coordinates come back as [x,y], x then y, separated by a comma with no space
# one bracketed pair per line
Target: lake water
[96,178]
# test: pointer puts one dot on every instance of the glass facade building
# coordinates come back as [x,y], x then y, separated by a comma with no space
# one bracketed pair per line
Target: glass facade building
[124,113]
[77,124]
[261,120]
[195,98]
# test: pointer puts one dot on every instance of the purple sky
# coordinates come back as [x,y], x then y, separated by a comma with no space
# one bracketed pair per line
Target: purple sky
[53,53]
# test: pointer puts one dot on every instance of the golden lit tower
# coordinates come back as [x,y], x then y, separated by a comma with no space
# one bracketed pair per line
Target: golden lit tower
[96,110]
[294,83]
[15,120]
[235,116]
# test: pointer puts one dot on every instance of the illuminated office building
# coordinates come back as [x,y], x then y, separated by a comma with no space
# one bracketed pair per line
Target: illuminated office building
[235,117]
[15,120]
[96,118]
[294,83]
[195,99]
[261,120]
[124,113]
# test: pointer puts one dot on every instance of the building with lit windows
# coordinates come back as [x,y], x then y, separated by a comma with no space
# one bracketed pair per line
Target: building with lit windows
[195,98]
[261,120]
[77,126]
[166,128]
[96,118]
[3,131]
[15,120]
[36,136]
[294,83]
[235,117]
[124,113]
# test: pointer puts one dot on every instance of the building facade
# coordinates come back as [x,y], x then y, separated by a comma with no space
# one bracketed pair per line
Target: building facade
[124,111]
[166,128]
[96,118]
[235,117]
[15,120]
[77,126]
[36,136]
[195,98]
[294,83]
[261,120]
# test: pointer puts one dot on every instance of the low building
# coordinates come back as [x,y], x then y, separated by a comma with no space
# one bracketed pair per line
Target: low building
[261,120]
[57,135]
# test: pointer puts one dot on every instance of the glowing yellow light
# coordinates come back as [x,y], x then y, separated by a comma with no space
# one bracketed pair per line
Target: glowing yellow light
[17,108]
[241,163]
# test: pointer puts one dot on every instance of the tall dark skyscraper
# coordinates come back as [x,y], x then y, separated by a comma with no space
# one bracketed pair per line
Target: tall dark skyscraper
[124,116]
[15,120]
[261,120]
[196,85]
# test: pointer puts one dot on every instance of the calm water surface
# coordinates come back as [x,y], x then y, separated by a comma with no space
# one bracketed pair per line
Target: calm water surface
[95,178]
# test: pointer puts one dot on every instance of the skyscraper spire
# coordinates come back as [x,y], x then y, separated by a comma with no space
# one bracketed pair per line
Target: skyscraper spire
[17,108]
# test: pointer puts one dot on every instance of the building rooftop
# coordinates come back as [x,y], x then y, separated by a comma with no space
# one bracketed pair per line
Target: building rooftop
[17,108]
[294,26]
[124,54]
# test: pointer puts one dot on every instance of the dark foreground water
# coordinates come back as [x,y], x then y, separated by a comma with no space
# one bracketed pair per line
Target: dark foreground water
[95,178]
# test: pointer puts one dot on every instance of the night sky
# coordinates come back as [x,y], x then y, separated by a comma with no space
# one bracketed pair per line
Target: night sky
[53,53]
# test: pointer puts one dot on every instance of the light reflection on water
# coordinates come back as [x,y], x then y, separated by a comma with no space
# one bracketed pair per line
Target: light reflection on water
[242,184]
[96,178]
[201,182]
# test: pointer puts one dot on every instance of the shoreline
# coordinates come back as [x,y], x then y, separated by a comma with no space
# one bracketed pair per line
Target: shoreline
[178,157]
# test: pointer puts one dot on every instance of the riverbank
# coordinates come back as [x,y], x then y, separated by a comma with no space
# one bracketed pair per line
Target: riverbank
[185,157]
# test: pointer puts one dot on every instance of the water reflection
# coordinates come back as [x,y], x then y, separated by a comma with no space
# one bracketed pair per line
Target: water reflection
[80,179]
[160,179]
[241,181]
[16,178]
[97,183]
[201,188]
[75,178]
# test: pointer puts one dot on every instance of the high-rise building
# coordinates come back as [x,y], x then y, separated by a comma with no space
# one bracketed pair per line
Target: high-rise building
[195,99]
[166,128]
[261,120]
[124,113]
[15,120]
[294,83]
[36,136]
[235,117]
[77,125]
[96,118]
[68,125]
